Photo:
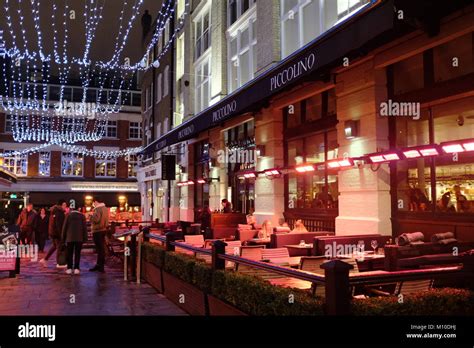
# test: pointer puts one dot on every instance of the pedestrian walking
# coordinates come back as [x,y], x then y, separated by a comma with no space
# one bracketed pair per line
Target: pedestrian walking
[41,230]
[55,228]
[27,223]
[99,224]
[74,234]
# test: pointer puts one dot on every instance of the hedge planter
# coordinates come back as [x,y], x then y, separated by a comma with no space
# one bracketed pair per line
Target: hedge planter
[153,275]
[184,295]
[221,308]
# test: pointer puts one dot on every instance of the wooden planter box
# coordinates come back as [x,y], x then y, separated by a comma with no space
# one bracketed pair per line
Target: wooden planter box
[220,308]
[184,295]
[153,275]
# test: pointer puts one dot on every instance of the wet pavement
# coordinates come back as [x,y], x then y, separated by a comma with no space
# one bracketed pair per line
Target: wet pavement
[40,290]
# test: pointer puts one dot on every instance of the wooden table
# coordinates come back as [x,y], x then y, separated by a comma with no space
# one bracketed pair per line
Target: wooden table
[367,261]
[307,247]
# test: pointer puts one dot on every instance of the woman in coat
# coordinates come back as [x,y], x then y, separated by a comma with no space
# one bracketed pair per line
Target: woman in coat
[41,230]
[74,234]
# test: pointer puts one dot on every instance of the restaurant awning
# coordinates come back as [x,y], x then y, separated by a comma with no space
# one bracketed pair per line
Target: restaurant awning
[351,35]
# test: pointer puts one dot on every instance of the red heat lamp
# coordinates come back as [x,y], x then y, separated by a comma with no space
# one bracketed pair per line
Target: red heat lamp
[201,181]
[341,163]
[272,172]
[458,146]
[421,151]
[305,168]
[190,182]
[384,157]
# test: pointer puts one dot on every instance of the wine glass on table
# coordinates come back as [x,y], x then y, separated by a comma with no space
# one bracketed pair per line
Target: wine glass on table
[374,244]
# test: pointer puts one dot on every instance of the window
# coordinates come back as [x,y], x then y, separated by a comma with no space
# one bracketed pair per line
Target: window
[111,129]
[72,164]
[166,33]
[105,168]
[444,183]
[242,54]
[304,20]
[318,189]
[166,83]
[22,122]
[454,58]
[202,34]
[202,84]
[8,123]
[236,8]
[132,163]
[180,57]
[158,88]
[44,163]
[158,130]
[180,8]
[16,164]
[135,130]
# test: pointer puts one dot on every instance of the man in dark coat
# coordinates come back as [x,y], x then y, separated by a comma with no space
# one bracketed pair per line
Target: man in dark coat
[74,233]
[27,223]
[56,221]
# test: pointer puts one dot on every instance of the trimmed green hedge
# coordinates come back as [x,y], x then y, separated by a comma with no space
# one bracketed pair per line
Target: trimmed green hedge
[255,296]
[446,301]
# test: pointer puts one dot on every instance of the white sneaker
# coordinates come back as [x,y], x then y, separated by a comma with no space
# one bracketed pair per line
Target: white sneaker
[69,271]
[61,266]
[43,262]
[77,271]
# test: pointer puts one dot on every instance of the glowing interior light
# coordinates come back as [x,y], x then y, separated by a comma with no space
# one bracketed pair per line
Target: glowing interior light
[429,152]
[411,154]
[272,172]
[391,156]
[452,148]
[303,169]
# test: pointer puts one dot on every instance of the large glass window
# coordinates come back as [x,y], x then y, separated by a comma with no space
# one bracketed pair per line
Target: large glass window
[443,183]
[44,164]
[159,78]
[318,189]
[135,130]
[132,166]
[106,168]
[111,129]
[203,84]
[242,54]
[202,33]
[16,164]
[72,164]
[304,20]
[180,57]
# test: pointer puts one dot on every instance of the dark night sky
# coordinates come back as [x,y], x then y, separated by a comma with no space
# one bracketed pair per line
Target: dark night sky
[106,33]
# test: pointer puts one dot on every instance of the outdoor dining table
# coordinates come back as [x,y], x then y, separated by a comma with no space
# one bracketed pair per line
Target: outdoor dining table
[307,247]
[368,260]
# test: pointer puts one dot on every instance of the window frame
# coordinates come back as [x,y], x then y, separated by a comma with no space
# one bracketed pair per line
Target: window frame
[74,160]
[40,158]
[199,21]
[199,66]
[107,162]
[108,127]
[235,32]
[135,126]
[17,164]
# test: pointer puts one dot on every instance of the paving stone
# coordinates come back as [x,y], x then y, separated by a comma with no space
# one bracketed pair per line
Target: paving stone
[39,290]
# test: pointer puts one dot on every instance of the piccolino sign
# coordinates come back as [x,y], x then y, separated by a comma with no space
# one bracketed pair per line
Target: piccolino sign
[221,113]
[292,72]
[186,131]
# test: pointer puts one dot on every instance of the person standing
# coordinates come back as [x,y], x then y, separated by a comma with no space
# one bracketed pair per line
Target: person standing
[99,223]
[227,206]
[56,221]
[27,223]
[41,230]
[74,234]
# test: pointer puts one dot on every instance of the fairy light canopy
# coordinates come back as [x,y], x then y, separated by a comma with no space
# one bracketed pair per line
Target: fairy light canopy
[65,42]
